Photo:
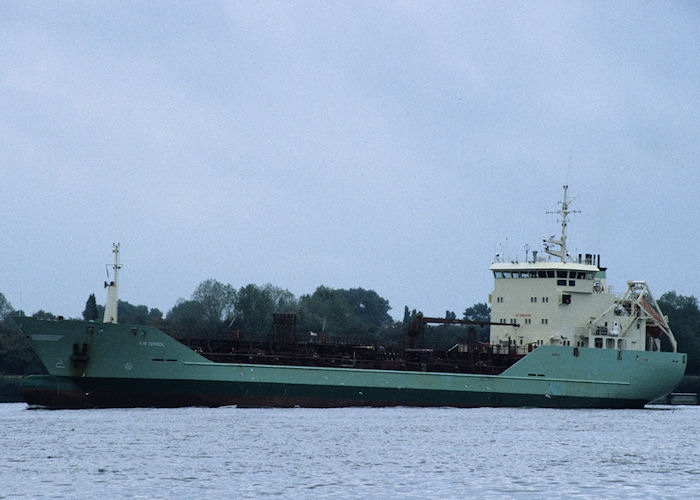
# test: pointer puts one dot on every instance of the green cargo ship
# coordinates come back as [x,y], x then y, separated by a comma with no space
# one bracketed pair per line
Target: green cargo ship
[559,338]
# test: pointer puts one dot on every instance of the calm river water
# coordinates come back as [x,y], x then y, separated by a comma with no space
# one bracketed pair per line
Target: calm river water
[349,453]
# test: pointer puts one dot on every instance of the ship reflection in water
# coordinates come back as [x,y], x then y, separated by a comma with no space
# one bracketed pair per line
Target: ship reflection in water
[350,452]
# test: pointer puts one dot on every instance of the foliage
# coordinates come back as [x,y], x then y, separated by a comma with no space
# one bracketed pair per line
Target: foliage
[406,315]
[283,300]
[90,312]
[409,315]
[684,319]
[5,307]
[352,314]
[367,306]
[217,301]
[480,312]
[187,314]
[253,309]
[136,315]
[43,315]
[342,313]
[445,336]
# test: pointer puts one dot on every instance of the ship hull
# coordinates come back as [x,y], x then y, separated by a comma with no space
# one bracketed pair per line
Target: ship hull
[106,365]
[56,392]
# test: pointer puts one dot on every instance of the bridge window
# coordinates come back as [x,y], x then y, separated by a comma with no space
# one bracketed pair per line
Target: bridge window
[561,274]
[561,282]
[541,274]
[581,276]
[533,274]
[572,282]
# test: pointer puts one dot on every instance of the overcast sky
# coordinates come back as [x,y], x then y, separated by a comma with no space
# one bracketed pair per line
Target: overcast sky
[392,146]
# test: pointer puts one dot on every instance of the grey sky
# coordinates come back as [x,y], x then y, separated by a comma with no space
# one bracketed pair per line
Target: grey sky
[394,146]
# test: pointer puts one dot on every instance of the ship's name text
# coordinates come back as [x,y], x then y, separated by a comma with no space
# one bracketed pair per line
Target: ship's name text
[151,344]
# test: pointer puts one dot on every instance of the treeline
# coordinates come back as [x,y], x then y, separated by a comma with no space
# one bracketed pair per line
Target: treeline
[354,314]
[684,319]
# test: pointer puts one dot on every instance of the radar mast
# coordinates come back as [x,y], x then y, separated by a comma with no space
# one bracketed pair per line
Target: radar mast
[564,211]
[112,295]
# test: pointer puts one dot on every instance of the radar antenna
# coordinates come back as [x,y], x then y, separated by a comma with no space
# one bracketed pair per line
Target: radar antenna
[564,211]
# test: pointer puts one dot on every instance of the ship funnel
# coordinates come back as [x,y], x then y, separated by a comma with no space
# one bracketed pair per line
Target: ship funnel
[112,288]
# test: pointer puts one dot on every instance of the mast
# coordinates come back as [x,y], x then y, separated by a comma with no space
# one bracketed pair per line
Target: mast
[112,288]
[564,211]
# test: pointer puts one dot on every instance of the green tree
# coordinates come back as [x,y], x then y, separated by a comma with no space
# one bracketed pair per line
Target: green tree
[367,306]
[283,299]
[44,315]
[187,314]
[254,307]
[480,312]
[90,312]
[684,319]
[5,307]
[326,309]
[352,314]
[218,301]
[155,317]
[133,314]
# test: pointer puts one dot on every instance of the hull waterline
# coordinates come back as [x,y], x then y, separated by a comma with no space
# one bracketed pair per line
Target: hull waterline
[54,392]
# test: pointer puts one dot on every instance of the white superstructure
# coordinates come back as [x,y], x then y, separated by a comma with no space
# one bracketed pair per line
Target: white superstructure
[567,302]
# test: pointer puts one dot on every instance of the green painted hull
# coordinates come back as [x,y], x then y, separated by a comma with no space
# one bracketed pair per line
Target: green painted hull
[123,365]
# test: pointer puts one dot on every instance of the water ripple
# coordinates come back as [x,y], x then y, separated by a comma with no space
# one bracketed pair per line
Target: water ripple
[348,453]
